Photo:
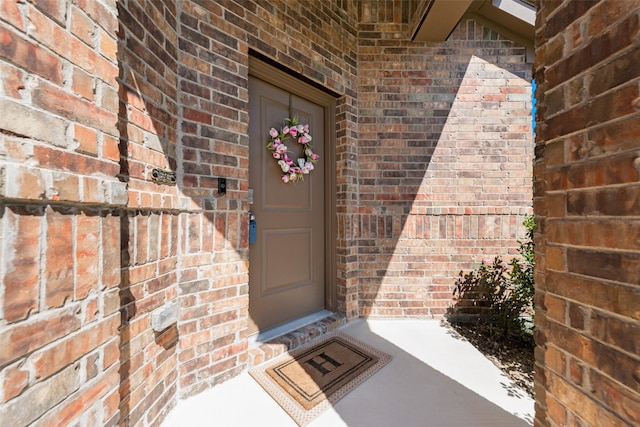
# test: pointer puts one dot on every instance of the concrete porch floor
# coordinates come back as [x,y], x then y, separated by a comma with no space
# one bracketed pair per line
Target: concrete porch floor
[434,380]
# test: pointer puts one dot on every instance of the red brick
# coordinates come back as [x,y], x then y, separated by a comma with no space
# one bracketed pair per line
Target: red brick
[142,236]
[555,258]
[574,398]
[110,405]
[11,13]
[556,307]
[86,254]
[623,267]
[616,331]
[28,184]
[21,280]
[162,406]
[29,56]
[555,360]
[578,316]
[16,379]
[55,9]
[71,349]
[86,139]
[111,353]
[93,190]
[611,139]
[111,251]
[58,273]
[83,84]
[78,406]
[81,164]
[71,107]
[603,233]
[556,412]
[197,116]
[13,80]
[622,300]
[108,46]
[109,99]
[91,310]
[102,14]
[82,26]
[25,337]
[576,372]
[621,401]
[66,187]
[110,148]
[64,352]
[578,345]
[615,73]
[41,397]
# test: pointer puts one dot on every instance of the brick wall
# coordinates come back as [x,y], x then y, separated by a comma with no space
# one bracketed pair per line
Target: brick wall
[445,161]
[60,224]
[94,97]
[151,223]
[215,40]
[587,203]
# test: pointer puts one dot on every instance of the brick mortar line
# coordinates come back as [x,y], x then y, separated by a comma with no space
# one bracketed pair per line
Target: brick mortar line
[591,189]
[599,249]
[606,282]
[8,202]
[595,158]
[588,103]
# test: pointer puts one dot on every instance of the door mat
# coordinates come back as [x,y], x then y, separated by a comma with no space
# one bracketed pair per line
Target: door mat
[310,379]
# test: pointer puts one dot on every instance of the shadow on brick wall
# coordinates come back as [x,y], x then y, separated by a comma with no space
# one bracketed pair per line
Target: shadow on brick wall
[445,152]
[149,224]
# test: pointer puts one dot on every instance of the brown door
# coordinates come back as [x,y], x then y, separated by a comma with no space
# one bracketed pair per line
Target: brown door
[287,260]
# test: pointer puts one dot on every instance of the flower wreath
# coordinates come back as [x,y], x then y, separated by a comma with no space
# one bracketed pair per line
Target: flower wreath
[292,171]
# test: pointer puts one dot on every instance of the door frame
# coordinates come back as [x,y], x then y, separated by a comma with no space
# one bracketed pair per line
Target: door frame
[296,86]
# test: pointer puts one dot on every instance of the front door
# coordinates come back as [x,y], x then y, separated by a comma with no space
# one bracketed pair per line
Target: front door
[287,260]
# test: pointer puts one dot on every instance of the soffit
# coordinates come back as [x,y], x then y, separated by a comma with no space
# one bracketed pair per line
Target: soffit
[434,20]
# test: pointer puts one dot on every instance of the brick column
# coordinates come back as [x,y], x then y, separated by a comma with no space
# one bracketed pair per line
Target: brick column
[587,202]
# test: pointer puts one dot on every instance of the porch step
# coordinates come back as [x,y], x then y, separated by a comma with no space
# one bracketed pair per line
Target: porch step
[261,352]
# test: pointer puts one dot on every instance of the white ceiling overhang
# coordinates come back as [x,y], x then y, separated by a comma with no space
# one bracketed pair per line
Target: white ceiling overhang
[436,19]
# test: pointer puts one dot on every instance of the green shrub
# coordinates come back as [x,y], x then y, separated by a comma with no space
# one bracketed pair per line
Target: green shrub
[497,297]
[521,275]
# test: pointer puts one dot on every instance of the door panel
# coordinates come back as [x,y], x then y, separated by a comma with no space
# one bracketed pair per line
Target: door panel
[298,271]
[287,262]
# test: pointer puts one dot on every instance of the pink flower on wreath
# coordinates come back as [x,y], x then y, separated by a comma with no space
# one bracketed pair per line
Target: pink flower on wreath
[273,132]
[315,156]
[285,130]
[302,140]
[293,131]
